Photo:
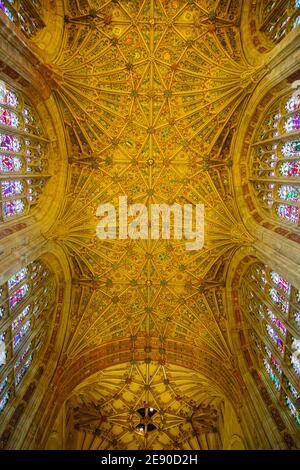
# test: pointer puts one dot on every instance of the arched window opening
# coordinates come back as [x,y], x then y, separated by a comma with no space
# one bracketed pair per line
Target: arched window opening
[25,14]
[27,300]
[276,161]
[271,306]
[278,18]
[22,155]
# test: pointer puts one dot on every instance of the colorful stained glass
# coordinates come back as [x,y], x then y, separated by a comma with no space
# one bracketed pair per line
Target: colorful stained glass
[296,22]
[8,97]
[23,370]
[277,322]
[3,352]
[274,360]
[279,300]
[297,4]
[289,193]
[20,335]
[12,188]
[263,277]
[9,143]
[292,123]
[18,296]
[9,118]
[293,410]
[293,103]
[280,282]
[16,323]
[272,376]
[17,278]
[291,149]
[3,384]
[255,339]
[289,213]
[295,357]
[10,164]
[22,356]
[274,121]
[13,207]
[275,339]
[4,400]
[290,169]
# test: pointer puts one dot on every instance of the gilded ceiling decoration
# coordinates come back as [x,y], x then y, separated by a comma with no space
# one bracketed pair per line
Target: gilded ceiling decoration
[151,92]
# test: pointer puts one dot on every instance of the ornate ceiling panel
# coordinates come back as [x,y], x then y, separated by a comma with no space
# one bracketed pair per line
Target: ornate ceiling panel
[151,92]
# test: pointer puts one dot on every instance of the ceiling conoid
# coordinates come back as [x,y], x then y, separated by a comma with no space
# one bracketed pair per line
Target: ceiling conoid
[151,93]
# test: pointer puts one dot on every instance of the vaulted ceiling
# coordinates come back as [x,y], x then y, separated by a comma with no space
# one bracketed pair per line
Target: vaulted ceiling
[142,406]
[151,93]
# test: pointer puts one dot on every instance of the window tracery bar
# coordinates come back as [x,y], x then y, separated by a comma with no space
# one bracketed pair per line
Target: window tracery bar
[23,324]
[27,15]
[271,307]
[276,161]
[23,163]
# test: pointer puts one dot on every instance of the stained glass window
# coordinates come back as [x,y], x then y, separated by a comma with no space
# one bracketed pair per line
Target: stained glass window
[277,19]
[18,295]
[23,370]
[276,161]
[21,333]
[272,307]
[22,356]
[275,339]
[295,357]
[293,410]
[11,164]
[289,193]
[277,322]
[26,14]
[27,299]
[280,282]
[17,278]
[22,149]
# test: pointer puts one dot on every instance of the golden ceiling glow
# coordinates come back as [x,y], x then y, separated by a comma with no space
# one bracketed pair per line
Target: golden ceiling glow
[151,92]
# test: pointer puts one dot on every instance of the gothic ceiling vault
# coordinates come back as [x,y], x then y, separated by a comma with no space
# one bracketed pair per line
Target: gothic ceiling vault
[151,93]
